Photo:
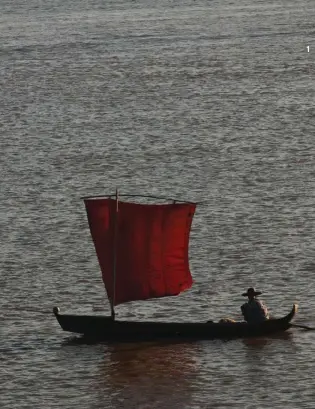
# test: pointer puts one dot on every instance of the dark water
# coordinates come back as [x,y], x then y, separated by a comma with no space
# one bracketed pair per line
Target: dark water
[206,101]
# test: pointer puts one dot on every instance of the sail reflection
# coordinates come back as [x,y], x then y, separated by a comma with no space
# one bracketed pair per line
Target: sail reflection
[159,373]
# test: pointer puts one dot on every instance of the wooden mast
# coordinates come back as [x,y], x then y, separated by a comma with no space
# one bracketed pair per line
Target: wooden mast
[115,258]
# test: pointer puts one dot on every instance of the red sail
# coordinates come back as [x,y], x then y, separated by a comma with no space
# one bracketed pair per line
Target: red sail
[151,247]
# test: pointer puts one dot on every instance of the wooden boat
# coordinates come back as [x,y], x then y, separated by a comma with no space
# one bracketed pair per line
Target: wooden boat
[142,251]
[106,328]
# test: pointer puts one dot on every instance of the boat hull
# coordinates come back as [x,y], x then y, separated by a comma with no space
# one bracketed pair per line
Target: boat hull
[105,328]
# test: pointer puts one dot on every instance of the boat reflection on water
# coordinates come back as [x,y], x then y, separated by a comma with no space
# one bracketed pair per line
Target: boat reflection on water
[260,342]
[160,373]
[262,355]
[169,375]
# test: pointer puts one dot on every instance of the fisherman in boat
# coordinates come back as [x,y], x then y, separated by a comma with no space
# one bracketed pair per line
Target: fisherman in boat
[254,311]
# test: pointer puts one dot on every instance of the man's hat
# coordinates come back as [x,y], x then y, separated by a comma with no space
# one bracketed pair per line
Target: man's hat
[251,291]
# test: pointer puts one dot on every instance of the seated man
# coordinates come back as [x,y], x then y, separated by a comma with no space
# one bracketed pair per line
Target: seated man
[254,311]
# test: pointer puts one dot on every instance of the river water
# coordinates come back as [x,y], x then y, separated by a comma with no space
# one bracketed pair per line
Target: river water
[209,101]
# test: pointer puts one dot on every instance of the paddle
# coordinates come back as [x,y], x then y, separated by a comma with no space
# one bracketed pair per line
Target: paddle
[303,327]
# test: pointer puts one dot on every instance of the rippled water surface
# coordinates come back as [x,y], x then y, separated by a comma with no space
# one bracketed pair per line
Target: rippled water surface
[208,101]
